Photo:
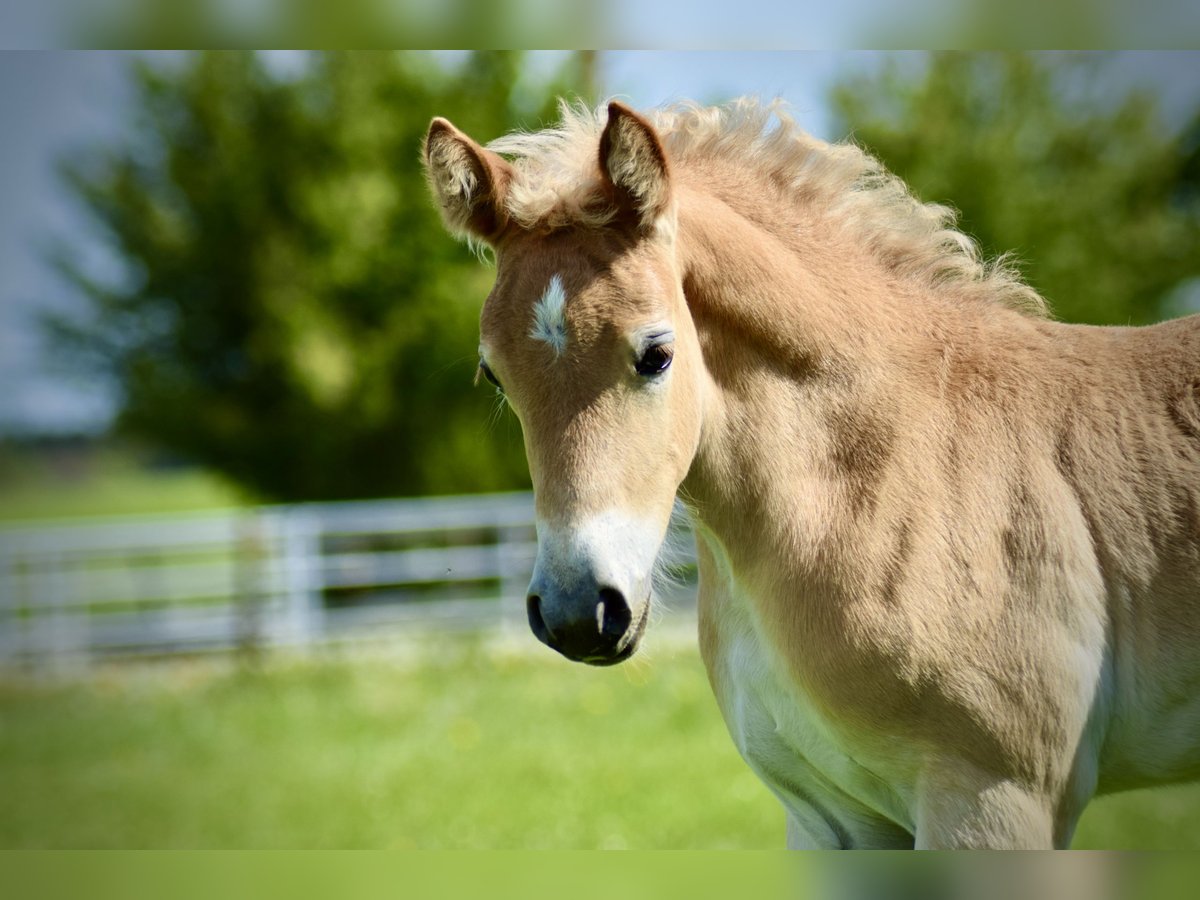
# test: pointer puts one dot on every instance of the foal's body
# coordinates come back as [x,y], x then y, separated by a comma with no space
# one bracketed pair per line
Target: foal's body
[949,550]
[967,561]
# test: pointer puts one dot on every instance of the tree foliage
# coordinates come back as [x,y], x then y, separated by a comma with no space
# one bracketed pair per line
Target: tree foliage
[1045,158]
[291,312]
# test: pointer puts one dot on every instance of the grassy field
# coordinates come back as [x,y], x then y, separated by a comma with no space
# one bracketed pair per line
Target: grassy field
[477,746]
[106,481]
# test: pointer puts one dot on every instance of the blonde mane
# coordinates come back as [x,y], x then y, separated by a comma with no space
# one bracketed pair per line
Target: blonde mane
[558,183]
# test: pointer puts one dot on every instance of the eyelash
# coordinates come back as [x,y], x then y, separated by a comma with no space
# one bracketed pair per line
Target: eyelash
[655,360]
[490,376]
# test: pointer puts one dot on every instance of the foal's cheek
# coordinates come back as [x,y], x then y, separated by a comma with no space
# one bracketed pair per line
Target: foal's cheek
[686,421]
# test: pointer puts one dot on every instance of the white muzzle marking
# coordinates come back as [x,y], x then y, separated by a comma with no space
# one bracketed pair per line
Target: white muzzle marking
[609,549]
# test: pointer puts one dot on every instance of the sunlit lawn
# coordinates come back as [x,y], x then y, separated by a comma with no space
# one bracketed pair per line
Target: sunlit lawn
[470,748]
[105,483]
[462,745]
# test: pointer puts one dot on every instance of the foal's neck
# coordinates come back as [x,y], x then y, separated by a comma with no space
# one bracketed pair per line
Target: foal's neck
[800,334]
[799,290]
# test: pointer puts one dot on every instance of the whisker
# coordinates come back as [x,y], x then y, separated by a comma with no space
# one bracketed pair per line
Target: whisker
[668,575]
[498,407]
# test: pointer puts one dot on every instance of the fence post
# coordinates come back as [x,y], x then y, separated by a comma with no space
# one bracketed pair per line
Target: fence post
[249,558]
[9,637]
[66,652]
[302,575]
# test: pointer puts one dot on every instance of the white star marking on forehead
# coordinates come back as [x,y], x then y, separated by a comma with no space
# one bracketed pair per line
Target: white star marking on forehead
[550,317]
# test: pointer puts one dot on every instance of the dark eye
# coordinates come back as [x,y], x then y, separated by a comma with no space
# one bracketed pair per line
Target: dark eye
[490,375]
[655,359]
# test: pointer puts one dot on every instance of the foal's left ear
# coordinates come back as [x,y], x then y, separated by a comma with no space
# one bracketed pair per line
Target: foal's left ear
[468,181]
[633,158]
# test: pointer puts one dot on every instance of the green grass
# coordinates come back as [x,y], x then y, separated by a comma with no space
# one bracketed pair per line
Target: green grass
[104,482]
[476,748]
[473,747]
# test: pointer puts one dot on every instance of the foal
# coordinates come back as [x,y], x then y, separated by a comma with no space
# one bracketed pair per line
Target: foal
[949,549]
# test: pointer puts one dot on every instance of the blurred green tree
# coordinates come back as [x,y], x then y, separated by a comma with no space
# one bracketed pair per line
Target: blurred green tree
[1046,158]
[291,312]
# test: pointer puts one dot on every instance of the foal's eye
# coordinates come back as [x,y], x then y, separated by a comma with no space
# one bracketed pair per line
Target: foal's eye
[655,359]
[490,375]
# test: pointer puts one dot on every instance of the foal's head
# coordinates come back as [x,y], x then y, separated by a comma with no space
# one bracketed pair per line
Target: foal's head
[587,334]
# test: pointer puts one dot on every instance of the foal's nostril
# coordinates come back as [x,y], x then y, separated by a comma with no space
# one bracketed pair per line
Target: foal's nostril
[595,633]
[612,613]
[533,606]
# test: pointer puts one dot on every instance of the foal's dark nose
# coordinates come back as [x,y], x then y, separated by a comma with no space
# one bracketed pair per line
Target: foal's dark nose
[587,629]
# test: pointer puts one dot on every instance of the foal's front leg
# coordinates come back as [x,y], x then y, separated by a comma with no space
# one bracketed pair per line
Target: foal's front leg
[960,807]
[808,830]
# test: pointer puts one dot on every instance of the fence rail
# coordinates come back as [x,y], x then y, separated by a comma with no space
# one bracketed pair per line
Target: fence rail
[294,575]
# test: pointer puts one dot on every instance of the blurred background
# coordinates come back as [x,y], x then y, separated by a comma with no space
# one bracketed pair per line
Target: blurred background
[264,545]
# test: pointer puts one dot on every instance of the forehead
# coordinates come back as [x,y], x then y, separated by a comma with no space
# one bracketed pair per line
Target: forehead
[590,279]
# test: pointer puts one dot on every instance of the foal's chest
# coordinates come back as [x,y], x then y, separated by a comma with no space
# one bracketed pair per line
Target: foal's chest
[835,787]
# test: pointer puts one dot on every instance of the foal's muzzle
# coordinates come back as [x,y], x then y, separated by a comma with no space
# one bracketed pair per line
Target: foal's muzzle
[596,628]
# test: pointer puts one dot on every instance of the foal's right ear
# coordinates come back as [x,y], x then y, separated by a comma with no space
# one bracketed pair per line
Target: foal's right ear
[468,181]
[633,159]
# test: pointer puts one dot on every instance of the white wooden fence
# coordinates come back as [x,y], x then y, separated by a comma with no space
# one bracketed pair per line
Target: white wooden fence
[75,592]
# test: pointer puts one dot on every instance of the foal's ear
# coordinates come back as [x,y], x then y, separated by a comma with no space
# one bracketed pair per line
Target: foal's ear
[633,158]
[468,181]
